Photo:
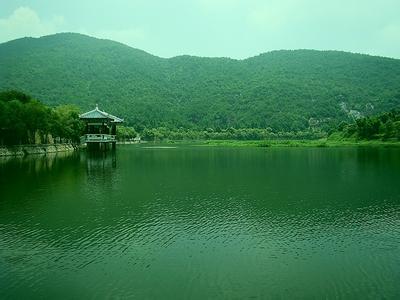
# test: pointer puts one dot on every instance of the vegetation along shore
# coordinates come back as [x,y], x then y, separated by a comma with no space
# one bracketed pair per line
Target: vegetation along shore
[27,126]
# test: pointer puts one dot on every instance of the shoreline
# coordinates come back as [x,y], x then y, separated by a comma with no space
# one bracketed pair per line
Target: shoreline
[321,143]
[24,150]
[304,143]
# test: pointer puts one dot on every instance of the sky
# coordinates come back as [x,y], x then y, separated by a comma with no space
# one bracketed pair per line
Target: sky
[223,28]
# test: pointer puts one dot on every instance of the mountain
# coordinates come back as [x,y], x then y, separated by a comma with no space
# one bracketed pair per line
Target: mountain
[284,90]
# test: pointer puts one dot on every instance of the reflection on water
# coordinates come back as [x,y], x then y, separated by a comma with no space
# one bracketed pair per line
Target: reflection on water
[195,222]
[34,163]
[100,161]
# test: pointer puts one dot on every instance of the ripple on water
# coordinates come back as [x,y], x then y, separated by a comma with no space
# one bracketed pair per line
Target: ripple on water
[207,224]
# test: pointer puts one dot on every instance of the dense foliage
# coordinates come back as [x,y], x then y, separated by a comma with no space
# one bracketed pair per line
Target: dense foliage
[385,126]
[243,134]
[286,91]
[126,134]
[24,120]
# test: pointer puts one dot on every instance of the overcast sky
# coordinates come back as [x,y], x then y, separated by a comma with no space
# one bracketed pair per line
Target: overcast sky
[233,28]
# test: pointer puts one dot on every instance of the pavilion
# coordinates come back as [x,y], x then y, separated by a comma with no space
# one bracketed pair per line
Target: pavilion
[100,130]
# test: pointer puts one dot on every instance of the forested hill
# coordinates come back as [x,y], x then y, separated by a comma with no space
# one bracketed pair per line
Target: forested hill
[283,90]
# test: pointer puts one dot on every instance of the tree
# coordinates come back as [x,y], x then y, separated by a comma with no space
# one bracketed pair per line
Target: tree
[67,123]
[125,133]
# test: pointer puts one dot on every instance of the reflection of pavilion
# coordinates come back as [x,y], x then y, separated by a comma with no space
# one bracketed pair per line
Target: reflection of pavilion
[101,129]
[100,169]
[100,162]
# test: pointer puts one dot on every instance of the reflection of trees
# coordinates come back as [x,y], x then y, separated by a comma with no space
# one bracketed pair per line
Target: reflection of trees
[35,164]
[25,177]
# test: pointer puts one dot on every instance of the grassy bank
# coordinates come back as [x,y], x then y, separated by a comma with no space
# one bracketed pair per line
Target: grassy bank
[294,143]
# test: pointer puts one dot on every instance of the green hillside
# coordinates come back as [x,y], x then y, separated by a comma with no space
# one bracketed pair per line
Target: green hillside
[283,90]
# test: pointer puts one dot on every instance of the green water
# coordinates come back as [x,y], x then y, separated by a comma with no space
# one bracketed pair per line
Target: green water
[202,223]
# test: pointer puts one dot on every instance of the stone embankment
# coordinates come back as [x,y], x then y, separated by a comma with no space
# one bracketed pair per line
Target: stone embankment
[23,150]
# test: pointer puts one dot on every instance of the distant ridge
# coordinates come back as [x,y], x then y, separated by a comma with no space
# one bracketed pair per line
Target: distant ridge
[286,90]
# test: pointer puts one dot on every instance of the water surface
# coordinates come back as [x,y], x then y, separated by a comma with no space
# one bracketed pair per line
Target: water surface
[202,223]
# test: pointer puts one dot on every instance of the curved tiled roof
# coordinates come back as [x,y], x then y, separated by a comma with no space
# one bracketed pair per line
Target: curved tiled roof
[98,114]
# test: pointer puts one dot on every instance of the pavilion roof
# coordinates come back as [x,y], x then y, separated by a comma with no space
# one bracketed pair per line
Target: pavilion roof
[98,114]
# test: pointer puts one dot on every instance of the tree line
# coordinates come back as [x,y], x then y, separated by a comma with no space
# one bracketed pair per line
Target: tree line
[24,120]
[164,133]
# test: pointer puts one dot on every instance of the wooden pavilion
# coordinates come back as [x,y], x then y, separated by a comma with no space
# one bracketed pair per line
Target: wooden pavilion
[101,129]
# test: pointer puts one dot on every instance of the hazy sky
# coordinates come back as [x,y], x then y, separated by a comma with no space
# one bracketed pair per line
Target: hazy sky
[234,28]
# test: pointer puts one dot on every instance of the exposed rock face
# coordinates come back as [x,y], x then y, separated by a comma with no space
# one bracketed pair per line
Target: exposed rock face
[36,149]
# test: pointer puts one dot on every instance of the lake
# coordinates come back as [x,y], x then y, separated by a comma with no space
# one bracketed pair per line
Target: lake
[192,222]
